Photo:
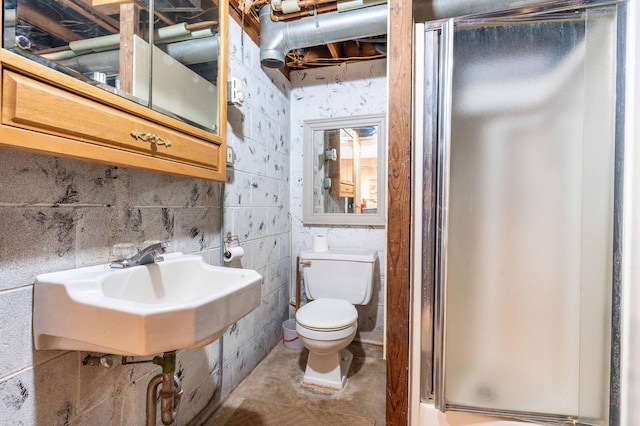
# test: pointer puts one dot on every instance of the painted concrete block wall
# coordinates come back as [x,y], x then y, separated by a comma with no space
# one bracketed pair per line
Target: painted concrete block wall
[58,214]
[348,90]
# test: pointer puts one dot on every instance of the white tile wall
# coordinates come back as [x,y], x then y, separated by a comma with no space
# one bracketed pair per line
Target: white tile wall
[58,214]
[347,90]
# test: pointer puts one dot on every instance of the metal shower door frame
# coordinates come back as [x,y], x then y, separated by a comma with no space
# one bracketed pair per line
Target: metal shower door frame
[432,136]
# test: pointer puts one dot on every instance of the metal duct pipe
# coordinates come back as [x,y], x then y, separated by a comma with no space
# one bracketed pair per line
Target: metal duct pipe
[278,38]
[195,51]
[344,5]
[167,35]
[107,62]
[444,9]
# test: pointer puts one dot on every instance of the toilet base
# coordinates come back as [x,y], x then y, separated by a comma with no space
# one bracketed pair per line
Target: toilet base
[328,371]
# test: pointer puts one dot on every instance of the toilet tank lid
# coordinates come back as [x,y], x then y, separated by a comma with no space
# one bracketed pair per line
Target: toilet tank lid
[348,254]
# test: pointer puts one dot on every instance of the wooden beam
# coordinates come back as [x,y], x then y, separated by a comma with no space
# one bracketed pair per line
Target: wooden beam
[98,18]
[109,4]
[399,207]
[129,26]
[251,25]
[335,49]
[108,7]
[47,24]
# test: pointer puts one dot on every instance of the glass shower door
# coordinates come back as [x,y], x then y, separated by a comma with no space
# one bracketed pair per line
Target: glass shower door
[526,212]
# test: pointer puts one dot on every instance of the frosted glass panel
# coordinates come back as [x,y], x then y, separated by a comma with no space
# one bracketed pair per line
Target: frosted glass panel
[530,207]
[595,301]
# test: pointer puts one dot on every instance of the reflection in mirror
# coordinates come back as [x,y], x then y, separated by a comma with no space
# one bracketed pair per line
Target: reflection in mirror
[344,164]
[106,43]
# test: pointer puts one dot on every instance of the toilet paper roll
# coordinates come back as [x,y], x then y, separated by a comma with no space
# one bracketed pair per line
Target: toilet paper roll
[233,253]
[320,243]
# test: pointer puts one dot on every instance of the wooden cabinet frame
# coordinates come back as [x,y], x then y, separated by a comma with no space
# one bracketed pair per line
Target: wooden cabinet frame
[45,111]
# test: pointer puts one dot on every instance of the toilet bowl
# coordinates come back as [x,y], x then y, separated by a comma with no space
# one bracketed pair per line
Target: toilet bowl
[326,327]
[335,280]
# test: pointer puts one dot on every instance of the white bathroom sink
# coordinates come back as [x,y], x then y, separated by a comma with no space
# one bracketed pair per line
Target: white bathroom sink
[178,303]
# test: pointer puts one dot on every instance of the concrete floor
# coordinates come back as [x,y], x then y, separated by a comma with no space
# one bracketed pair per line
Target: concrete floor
[278,379]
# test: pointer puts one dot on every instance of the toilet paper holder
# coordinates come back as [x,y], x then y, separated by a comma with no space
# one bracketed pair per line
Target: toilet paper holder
[230,239]
[232,251]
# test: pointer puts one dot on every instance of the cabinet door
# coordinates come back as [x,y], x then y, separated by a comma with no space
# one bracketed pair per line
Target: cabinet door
[106,43]
[100,50]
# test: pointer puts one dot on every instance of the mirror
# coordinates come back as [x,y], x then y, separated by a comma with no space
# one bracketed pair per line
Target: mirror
[344,164]
[106,43]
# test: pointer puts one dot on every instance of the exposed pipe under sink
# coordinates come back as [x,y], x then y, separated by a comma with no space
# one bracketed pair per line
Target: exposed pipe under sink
[170,391]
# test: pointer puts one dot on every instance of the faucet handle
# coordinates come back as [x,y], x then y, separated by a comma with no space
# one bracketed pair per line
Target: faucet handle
[155,244]
[123,250]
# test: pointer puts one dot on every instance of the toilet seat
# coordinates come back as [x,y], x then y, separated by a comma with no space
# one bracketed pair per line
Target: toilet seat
[347,332]
[327,315]
[326,327]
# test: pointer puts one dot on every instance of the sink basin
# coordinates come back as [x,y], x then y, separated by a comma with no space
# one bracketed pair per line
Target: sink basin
[178,303]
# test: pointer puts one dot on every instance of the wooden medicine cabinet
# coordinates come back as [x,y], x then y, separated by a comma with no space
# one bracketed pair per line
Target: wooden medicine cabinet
[79,79]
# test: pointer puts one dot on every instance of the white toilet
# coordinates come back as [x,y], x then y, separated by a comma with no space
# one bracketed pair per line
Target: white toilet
[334,280]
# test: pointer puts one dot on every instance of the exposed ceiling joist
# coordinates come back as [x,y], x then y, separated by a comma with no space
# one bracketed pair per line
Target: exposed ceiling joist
[335,49]
[38,20]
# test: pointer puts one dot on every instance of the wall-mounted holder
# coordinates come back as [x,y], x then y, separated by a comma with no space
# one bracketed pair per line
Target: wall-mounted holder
[230,239]
[232,248]
[235,92]
[106,360]
[330,154]
[326,183]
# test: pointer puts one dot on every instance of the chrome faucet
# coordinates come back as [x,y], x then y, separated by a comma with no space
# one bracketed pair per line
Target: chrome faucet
[145,256]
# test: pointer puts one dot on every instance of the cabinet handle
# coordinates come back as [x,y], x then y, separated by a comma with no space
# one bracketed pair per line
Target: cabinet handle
[151,138]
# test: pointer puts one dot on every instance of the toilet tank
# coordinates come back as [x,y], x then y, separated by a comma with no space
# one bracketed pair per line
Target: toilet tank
[339,274]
